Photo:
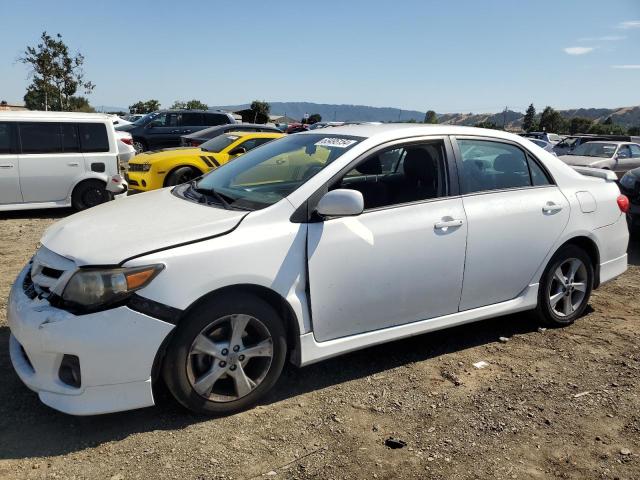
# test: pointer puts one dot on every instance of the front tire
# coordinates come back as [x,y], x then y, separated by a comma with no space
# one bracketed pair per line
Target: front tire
[181,175]
[225,355]
[565,287]
[89,194]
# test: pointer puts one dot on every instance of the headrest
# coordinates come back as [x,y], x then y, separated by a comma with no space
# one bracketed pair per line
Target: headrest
[370,167]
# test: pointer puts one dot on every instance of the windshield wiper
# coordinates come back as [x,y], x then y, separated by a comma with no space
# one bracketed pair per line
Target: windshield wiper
[210,192]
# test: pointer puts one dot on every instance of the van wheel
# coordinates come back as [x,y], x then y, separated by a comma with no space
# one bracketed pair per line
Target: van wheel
[181,175]
[565,287]
[225,355]
[89,194]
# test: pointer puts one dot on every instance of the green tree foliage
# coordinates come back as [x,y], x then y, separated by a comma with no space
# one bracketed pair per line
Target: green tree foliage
[314,118]
[579,125]
[488,124]
[529,121]
[144,107]
[80,104]
[430,117]
[608,121]
[190,105]
[607,129]
[260,111]
[55,75]
[551,121]
[634,131]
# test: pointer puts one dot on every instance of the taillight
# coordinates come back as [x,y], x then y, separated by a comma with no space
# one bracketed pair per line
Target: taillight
[623,203]
[127,140]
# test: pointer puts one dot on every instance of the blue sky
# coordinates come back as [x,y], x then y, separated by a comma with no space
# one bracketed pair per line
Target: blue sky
[450,56]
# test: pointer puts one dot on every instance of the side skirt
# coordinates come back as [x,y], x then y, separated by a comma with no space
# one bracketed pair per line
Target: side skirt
[312,351]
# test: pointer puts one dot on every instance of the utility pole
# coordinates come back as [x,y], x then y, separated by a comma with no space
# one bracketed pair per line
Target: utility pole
[504,118]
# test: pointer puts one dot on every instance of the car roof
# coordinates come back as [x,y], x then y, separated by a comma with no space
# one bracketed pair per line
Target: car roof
[400,130]
[254,134]
[38,114]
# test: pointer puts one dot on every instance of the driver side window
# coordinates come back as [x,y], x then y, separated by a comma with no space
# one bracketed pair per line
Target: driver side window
[624,152]
[399,175]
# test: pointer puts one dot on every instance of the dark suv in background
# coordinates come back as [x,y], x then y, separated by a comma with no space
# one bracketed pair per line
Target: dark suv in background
[164,128]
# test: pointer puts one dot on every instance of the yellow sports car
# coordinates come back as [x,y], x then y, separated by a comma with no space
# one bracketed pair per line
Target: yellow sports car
[173,166]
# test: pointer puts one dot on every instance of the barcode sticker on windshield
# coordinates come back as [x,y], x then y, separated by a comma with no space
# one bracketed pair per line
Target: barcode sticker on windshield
[335,142]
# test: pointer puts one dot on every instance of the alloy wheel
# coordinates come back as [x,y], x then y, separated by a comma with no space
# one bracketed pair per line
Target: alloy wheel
[229,358]
[568,287]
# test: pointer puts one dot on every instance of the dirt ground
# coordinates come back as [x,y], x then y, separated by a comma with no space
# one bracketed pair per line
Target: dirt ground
[551,404]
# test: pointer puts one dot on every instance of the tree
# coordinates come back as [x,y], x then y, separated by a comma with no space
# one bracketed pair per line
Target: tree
[607,129]
[190,105]
[551,121]
[80,104]
[579,125]
[260,111]
[634,131]
[144,107]
[56,76]
[488,124]
[529,121]
[430,117]
[608,121]
[314,118]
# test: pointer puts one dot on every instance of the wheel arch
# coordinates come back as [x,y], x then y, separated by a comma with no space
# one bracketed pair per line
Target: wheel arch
[176,167]
[273,298]
[591,248]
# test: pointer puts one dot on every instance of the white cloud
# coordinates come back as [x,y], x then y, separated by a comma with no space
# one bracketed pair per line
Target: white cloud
[626,67]
[577,50]
[629,24]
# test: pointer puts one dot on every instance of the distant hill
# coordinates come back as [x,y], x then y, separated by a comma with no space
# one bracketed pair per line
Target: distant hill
[340,113]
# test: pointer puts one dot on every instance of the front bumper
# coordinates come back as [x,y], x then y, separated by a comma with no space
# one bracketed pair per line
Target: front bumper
[116,350]
[144,181]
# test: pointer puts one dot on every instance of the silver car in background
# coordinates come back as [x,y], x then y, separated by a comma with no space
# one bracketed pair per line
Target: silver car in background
[619,157]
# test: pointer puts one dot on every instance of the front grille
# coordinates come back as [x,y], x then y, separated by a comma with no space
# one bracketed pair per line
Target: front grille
[51,272]
[137,167]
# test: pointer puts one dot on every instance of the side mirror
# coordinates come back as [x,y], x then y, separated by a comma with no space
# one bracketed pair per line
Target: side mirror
[238,151]
[341,203]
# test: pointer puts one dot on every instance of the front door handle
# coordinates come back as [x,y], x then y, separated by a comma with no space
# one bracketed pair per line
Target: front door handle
[73,164]
[6,166]
[551,207]
[448,223]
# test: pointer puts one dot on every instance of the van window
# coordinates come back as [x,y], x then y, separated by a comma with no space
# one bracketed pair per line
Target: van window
[70,141]
[6,138]
[93,137]
[40,137]
[215,119]
[191,119]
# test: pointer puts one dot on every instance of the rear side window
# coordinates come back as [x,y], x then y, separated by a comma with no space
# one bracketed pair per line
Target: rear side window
[70,140]
[489,165]
[211,119]
[93,137]
[191,119]
[40,137]
[7,143]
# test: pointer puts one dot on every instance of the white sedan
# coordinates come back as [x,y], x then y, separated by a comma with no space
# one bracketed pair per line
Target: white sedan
[302,249]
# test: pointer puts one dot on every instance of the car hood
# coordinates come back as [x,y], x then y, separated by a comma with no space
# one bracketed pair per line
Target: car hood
[132,226]
[580,161]
[166,154]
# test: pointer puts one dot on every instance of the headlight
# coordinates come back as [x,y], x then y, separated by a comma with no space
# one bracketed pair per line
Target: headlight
[91,288]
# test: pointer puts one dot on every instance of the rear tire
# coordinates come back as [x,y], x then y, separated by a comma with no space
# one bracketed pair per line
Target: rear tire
[225,355]
[89,194]
[565,287]
[181,175]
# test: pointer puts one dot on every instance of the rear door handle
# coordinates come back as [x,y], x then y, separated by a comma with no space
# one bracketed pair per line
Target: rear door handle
[453,223]
[551,207]
[73,164]
[6,166]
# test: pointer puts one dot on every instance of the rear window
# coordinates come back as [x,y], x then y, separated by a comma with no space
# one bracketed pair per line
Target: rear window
[191,119]
[40,137]
[219,143]
[93,137]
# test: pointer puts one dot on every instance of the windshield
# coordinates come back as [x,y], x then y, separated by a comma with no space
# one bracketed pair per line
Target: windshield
[590,149]
[219,143]
[267,174]
[145,118]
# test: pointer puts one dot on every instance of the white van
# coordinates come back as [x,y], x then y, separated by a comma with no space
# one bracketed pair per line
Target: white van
[57,159]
